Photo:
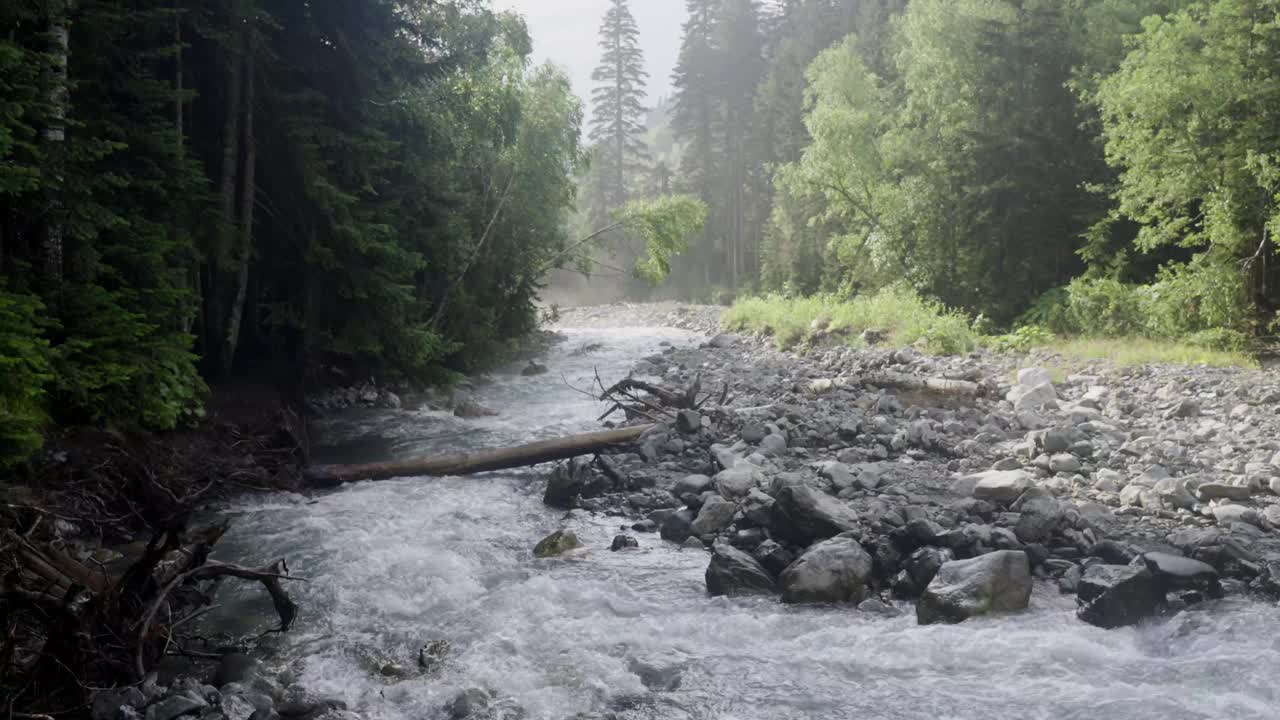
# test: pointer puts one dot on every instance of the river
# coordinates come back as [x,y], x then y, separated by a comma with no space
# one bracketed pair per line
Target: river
[394,565]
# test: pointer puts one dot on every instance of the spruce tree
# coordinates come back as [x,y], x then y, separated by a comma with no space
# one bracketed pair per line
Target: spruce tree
[618,116]
[694,121]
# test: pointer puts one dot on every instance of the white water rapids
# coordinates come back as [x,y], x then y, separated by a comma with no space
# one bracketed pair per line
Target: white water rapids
[393,565]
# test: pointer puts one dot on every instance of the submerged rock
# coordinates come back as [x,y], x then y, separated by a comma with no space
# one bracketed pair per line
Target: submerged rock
[834,570]
[623,542]
[557,543]
[732,572]
[1112,596]
[996,582]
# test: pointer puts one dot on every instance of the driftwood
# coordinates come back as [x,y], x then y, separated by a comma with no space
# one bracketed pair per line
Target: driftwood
[902,381]
[478,462]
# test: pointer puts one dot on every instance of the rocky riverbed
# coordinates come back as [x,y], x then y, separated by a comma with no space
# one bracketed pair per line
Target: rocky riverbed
[821,481]
[1139,490]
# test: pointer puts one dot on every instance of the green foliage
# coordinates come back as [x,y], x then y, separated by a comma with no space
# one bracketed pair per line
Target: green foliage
[24,371]
[664,226]
[1024,339]
[906,317]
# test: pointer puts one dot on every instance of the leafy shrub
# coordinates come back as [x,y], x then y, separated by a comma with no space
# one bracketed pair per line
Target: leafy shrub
[24,372]
[1024,339]
[1198,296]
[1224,339]
[1105,308]
[1051,311]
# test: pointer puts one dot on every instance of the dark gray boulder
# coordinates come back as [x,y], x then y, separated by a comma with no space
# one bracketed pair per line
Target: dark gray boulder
[835,570]
[1176,572]
[992,583]
[678,526]
[576,478]
[734,573]
[802,515]
[1112,596]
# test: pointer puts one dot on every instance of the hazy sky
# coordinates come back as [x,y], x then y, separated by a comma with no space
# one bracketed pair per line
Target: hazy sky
[565,32]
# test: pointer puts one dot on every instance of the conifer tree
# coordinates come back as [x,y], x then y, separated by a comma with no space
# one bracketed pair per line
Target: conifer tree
[618,116]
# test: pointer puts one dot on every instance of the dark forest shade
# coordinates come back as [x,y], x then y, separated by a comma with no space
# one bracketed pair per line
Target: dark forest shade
[264,187]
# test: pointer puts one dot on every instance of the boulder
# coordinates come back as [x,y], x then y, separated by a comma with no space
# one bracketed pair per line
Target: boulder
[734,573]
[1112,596]
[534,368]
[774,557]
[677,526]
[738,480]
[1173,493]
[923,566]
[1064,463]
[992,583]
[715,515]
[108,703]
[175,706]
[467,408]
[623,542]
[557,543]
[1222,491]
[691,485]
[773,445]
[576,478]
[1176,572]
[688,421]
[803,515]
[834,570]
[1000,486]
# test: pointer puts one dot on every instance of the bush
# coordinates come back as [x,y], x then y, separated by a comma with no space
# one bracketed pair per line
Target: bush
[1105,308]
[1024,339]
[24,372]
[897,310]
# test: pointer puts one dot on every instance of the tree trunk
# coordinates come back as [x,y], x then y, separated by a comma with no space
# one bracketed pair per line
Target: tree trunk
[471,463]
[247,198]
[55,140]
[214,293]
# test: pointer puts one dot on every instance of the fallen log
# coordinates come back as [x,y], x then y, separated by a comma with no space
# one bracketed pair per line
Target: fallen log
[902,381]
[477,462]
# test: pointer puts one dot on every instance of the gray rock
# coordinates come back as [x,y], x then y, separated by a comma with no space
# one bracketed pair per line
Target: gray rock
[557,543]
[677,526]
[774,557]
[715,515]
[803,515]
[758,507]
[996,582]
[237,707]
[1113,596]
[838,473]
[1173,493]
[753,433]
[1185,408]
[1222,491]
[107,704]
[1064,463]
[1228,514]
[623,542]
[773,445]
[467,408]
[1175,572]
[834,570]
[576,478]
[1000,486]
[738,480]
[691,485]
[235,668]
[688,421]
[174,707]
[923,566]
[734,573]
[534,368]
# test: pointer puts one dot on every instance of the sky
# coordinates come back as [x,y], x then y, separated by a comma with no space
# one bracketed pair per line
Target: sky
[565,32]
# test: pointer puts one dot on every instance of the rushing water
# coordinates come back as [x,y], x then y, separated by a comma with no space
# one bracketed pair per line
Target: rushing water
[394,565]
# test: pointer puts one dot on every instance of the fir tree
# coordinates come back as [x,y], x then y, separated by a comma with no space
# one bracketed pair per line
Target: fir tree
[618,115]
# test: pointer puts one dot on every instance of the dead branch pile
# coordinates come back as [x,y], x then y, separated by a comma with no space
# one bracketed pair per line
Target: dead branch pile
[639,399]
[70,628]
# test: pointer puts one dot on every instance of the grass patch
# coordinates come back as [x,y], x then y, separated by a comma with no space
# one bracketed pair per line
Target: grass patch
[909,320]
[903,315]
[1142,351]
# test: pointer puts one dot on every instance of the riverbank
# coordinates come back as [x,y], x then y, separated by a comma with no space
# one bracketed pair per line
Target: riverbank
[801,448]
[1097,465]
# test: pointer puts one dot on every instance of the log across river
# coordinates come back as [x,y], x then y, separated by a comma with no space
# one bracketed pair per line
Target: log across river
[398,564]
